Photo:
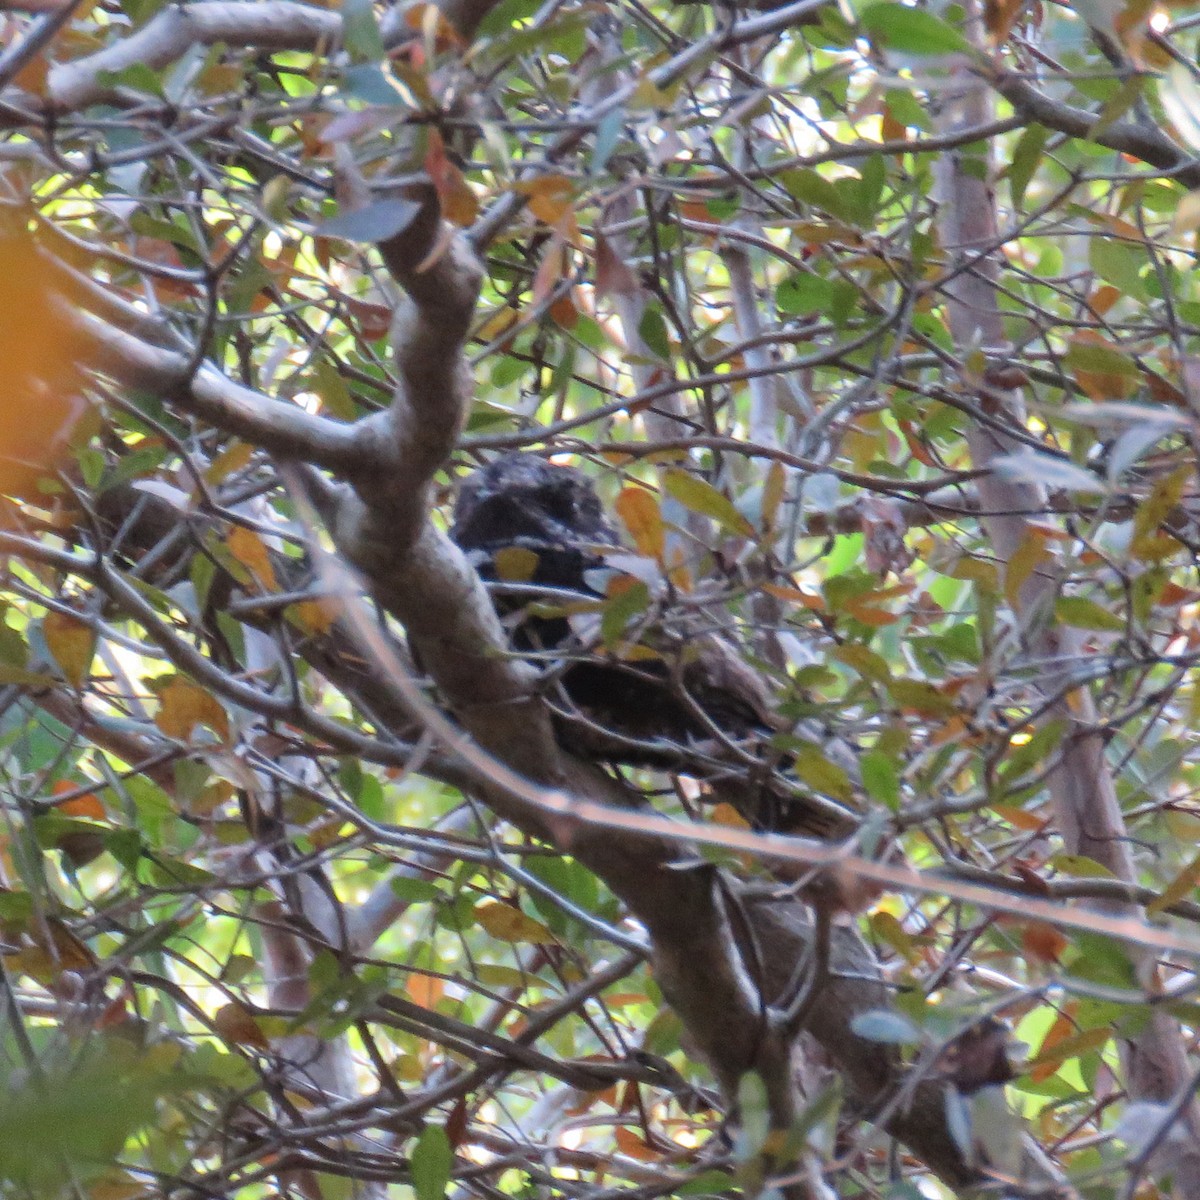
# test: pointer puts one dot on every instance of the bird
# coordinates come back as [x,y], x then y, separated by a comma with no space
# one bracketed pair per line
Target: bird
[686,700]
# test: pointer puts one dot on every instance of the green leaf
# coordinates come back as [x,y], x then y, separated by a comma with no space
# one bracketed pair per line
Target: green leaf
[652,329]
[326,380]
[880,778]
[813,768]
[707,1183]
[1099,360]
[360,31]
[372,85]
[1026,156]
[872,176]
[430,1163]
[139,77]
[912,30]
[701,497]
[1119,264]
[620,610]
[811,188]
[1081,613]
[803,293]
[755,1113]
[413,891]
[1080,866]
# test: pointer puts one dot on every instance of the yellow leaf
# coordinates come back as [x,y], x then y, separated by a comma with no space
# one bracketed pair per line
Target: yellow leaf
[232,458]
[550,196]
[182,705]
[313,616]
[701,497]
[1178,889]
[251,551]
[1025,559]
[640,514]
[773,493]
[886,926]
[725,814]
[515,564]
[1163,497]
[510,924]
[73,644]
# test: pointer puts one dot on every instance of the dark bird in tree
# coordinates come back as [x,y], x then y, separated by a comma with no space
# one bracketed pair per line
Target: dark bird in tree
[686,701]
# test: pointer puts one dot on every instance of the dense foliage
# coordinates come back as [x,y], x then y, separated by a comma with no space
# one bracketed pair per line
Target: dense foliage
[875,328]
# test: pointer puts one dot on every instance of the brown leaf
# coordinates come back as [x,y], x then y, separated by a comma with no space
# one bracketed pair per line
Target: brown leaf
[613,275]
[236,1024]
[1043,941]
[884,528]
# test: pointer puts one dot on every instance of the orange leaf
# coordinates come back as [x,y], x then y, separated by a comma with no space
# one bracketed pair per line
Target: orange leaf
[313,616]
[1049,1059]
[460,206]
[87,805]
[630,1142]
[640,514]
[1043,941]
[44,364]
[1044,1064]
[251,551]
[425,990]
[614,277]
[1018,818]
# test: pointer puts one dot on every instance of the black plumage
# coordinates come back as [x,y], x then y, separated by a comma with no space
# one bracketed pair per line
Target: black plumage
[687,701]
[650,711]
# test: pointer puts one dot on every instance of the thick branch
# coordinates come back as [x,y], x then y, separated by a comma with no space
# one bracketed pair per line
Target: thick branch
[1143,142]
[205,392]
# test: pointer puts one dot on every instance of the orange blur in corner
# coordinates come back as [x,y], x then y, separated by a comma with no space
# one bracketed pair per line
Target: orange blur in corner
[42,376]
